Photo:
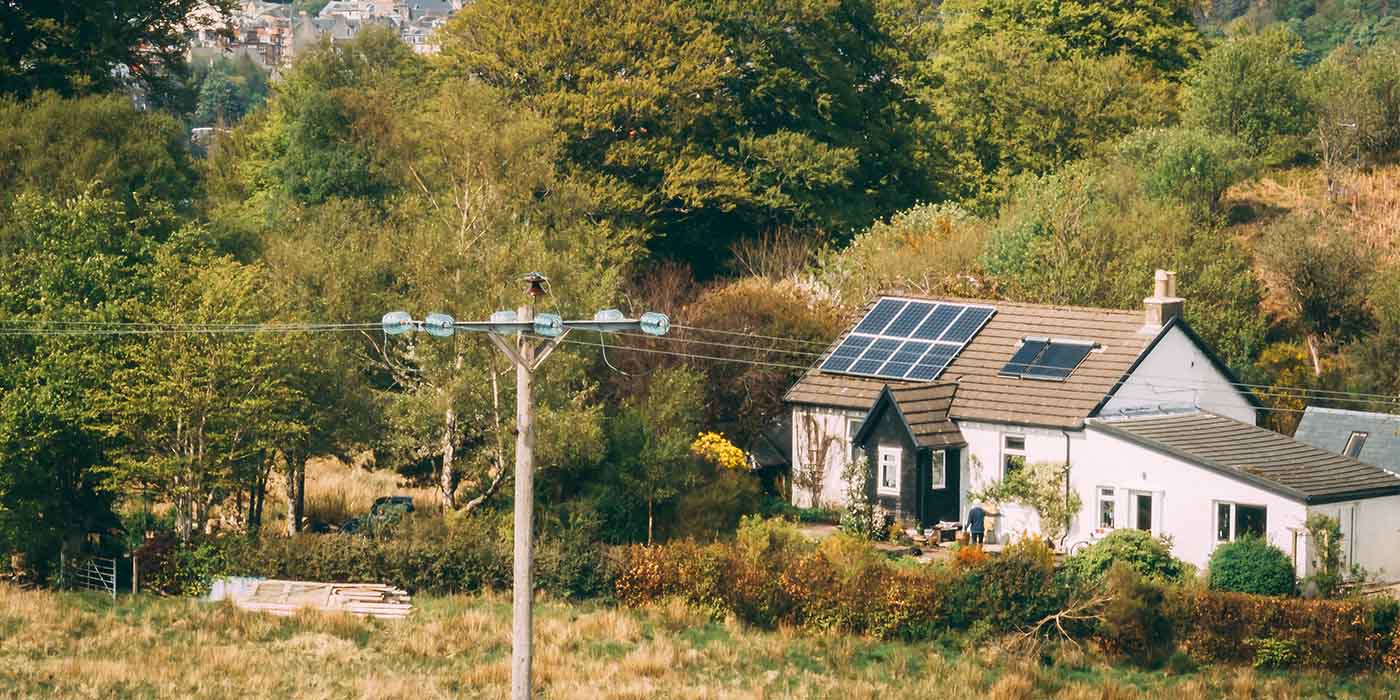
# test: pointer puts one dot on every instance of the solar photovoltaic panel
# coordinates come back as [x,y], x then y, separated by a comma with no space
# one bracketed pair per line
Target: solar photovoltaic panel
[880,316]
[907,339]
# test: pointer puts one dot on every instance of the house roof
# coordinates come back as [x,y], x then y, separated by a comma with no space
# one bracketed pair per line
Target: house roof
[1267,459]
[984,394]
[923,408]
[1329,429]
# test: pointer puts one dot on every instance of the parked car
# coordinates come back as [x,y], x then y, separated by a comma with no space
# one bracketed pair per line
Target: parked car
[386,511]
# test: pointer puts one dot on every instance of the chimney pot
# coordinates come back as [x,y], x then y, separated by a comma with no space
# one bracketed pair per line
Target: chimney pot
[1163,305]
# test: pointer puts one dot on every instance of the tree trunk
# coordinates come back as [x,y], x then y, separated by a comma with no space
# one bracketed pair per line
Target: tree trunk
[499,459]
[296,491]
[649,520]
[449,454]
[1316,359]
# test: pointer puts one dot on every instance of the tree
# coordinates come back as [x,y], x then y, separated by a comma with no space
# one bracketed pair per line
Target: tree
[61,148]
[76,47]
[651,439]
[229,90]
[1251,88]
[1009,104]
[1161,33]
[1191,166]
[195,413]
[707,122]
[1321,272]
[1042,487]
[1355,96]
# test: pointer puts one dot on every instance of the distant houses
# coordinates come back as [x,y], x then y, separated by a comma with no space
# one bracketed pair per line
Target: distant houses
[272,35]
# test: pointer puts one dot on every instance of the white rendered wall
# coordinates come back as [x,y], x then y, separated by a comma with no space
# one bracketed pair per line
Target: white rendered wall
[1178,373]
[1186,496]
[824,425]
[1370,534]
[983,460]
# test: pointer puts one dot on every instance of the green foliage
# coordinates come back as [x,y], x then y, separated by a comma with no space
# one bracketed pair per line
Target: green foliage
[1251,565]
[228,91]
[1325,273]
[1325,541]
[1042,487]
[1190,166]
[1147,556]
[862,517]
[704,123]
[1251,88]
[717,502]
[1135,622]
[1355,95]
[1274,654]
[59,148]
[72,46]
[1161,33]
[650,439]
[1009,105]
[929,249]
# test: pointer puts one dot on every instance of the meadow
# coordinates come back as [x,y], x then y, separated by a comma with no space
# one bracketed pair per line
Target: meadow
[68,645]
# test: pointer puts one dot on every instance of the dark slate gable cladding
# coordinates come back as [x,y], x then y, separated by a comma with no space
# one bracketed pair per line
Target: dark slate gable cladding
[1329,428]
[923,409]
[1256,455]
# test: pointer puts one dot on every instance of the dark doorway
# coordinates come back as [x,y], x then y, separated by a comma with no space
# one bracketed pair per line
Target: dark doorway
[939,477]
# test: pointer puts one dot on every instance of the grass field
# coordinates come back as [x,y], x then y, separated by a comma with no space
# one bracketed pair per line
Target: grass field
[81,646]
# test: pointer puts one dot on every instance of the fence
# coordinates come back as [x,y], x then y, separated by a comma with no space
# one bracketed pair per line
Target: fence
[89,573]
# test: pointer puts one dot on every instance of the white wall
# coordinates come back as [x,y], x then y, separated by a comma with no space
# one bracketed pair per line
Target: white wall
[1178,373]
[982,466]
[825,423]
[1186,495]
[1370,533]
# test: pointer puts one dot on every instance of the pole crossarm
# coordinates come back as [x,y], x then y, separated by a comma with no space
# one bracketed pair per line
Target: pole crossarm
[527,339]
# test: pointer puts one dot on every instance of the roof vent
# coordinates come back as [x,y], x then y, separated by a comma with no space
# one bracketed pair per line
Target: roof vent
[1164,305]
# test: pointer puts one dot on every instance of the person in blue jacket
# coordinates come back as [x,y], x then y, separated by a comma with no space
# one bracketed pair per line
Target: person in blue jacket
[977,523]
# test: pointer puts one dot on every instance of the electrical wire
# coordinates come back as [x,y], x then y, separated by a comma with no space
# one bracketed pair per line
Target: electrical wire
[711,343]
[751,335]
[688,355]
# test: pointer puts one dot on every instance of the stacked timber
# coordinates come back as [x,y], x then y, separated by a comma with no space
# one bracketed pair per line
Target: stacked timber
[287,597]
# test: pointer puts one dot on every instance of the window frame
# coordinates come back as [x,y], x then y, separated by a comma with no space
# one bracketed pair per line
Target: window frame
[938,466]
[880,487]
[1234,517]
[853,426]
[1357,438]
[1007,452]
[1107,495]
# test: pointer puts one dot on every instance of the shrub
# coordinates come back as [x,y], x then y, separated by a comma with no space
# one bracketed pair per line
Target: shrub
[1271,653]
[1017,587]
[1135,623]
[1251,565]
[1150,557]
[716,505]
[862,517]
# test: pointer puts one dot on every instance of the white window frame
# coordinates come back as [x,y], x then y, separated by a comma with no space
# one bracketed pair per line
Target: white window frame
[1358,439]
[938,471]
[853,426]
[1234,519]
[1108,495]
[898,454]
[1007,451]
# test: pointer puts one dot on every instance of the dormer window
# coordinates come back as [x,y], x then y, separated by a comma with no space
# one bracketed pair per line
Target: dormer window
[1054,359]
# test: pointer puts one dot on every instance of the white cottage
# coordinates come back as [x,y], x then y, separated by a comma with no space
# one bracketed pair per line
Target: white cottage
[945,396]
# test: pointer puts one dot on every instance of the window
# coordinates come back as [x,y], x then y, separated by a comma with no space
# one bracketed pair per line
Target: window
[890,463]
[1144,511]
[1236,520]
[1106,501]
[1354,444]
[938,471]
[853,427]
[1013,454]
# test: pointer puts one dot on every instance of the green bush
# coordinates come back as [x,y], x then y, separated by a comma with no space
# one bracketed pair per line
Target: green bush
[1150,557]
[1251,565]
[1270,653]
[1191,166]
[1135,622]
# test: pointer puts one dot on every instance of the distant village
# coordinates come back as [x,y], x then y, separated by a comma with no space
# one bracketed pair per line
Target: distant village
[272,34]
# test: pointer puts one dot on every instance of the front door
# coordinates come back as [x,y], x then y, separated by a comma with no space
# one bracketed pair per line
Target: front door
[939,472]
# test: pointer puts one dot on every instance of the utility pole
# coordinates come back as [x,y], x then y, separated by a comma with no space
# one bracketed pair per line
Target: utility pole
[534,338]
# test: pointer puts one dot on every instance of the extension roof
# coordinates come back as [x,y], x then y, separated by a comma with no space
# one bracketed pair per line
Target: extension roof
[985,395]
[1262,457]
[923,409]
[1329,428]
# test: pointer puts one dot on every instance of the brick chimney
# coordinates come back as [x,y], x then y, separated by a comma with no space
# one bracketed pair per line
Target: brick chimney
[1164,305]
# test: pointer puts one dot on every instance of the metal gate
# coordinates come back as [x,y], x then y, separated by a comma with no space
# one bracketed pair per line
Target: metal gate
[90,573]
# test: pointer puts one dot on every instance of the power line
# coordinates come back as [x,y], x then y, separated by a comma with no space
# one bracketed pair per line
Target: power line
[725,345]
[818,343]
[686,355]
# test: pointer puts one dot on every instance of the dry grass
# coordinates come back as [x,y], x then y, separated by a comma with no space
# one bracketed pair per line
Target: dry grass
[336,492]
[71,646]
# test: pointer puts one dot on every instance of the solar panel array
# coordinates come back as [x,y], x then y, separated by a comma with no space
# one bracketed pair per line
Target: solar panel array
[1043,358]
[906,339]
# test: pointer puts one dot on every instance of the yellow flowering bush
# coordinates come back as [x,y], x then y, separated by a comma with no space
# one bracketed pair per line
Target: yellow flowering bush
[714,448]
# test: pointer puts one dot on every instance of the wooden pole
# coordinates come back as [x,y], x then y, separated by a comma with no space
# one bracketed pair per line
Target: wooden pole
[522,596]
